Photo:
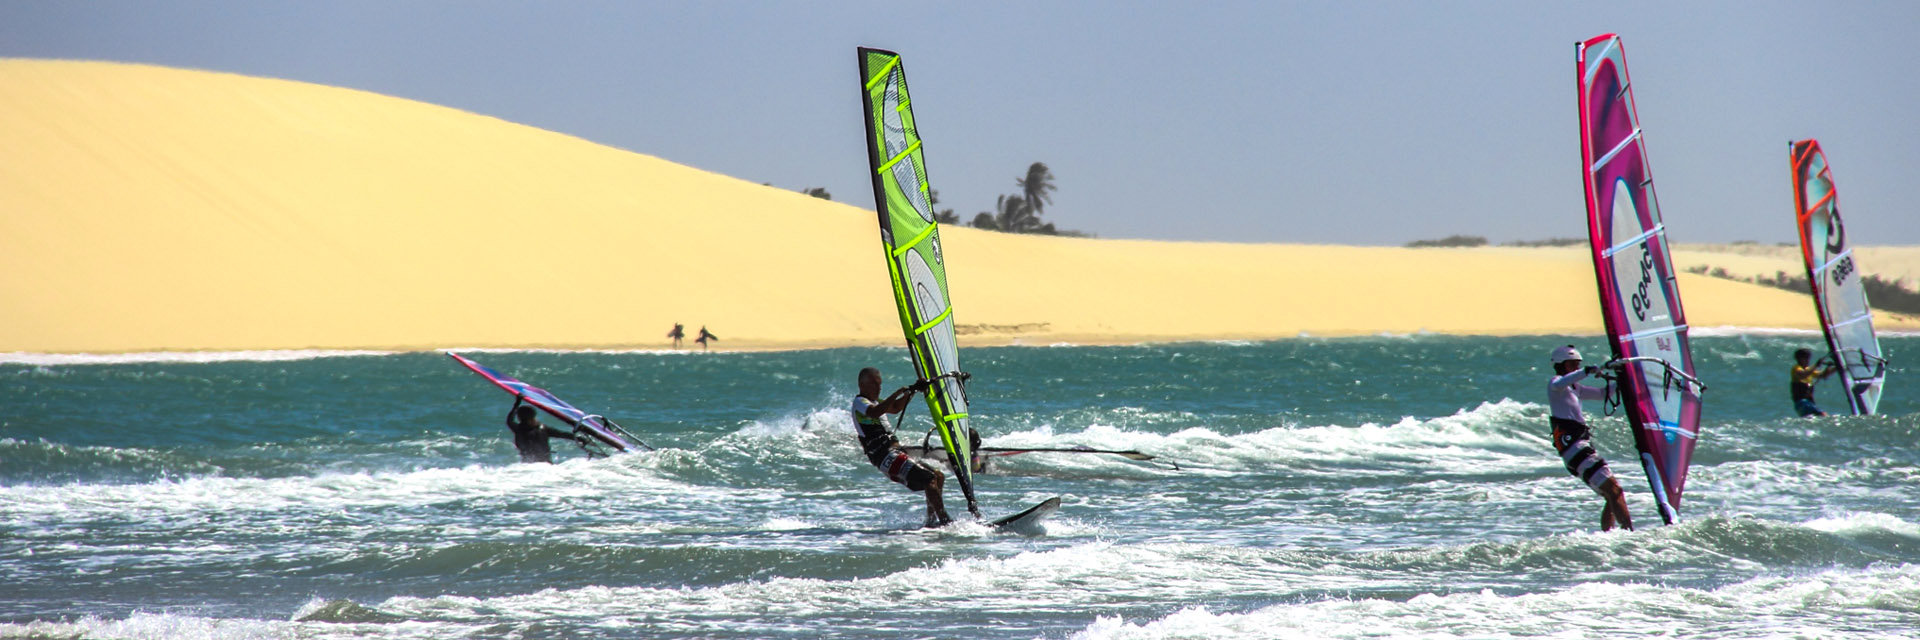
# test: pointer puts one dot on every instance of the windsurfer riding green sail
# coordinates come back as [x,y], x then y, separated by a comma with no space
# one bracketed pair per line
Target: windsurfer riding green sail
[910,244]
[910,240]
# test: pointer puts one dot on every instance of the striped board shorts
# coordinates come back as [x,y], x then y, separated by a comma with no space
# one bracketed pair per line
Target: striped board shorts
[902,468]
[1571,440]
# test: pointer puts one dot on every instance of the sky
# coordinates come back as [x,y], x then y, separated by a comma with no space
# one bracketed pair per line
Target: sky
[1372,123]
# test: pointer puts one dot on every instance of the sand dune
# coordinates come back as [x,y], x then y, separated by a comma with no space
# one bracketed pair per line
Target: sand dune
[1748,260]
[149,208]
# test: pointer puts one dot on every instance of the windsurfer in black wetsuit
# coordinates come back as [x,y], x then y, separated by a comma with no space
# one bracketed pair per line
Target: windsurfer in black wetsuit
[883,450]
[530,435]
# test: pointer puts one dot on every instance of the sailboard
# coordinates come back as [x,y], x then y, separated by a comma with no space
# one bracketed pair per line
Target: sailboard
[1838,293]
[1639,295]
[910,238]
[599,427]
[983,454]
[1024,521]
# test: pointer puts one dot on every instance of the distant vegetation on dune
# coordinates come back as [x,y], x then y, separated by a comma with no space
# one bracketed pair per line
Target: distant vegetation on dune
[1452,241]
[1479,241]
[1549,242]
[1891,295]
[1020,213]
[1012,213]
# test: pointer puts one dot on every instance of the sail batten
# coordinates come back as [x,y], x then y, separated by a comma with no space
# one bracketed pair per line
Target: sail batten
[1639,296]
[910,241]
[1839,295]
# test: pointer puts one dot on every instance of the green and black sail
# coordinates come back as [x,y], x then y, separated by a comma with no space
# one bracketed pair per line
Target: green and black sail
[910,237]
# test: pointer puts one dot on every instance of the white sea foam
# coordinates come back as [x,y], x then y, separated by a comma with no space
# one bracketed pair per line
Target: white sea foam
[1787,484]
[811,422]
[333,492]
[1471,440]
[1090,573]
[146,626]
[654,352]
[191,357]
[1730,331]
[1871,603]
[1865,523]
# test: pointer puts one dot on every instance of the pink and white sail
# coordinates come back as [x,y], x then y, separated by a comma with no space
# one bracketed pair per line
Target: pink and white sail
[1639,297]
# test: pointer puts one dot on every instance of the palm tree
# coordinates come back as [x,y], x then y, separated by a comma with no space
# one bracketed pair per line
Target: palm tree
[1013,214]
[983,220]
[817,192]
[1036,185]
[946,216]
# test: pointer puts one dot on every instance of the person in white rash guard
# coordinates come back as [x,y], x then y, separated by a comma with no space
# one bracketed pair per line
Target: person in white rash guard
[1573,440]
[883,450]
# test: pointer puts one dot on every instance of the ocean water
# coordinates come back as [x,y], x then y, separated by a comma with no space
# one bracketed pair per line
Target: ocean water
[1325,488]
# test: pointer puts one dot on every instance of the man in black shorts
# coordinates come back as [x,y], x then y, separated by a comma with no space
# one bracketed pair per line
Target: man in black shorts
[876,439]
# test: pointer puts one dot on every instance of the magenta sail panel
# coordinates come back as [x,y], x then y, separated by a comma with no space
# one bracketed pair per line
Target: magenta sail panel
[1639,296]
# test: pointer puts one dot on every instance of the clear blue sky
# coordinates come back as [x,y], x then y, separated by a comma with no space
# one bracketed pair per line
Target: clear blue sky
[1351,122]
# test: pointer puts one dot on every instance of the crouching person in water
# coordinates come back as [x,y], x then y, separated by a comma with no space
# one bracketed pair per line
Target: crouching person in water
[530,435]
[1574,442]
[876,439]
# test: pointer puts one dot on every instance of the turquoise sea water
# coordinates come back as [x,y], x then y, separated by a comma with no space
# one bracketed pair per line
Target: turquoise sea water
[1364,487]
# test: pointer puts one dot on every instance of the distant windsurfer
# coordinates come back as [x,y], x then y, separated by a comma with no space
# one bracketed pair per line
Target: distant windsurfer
[1804,374]
[678,333]
[883,450]
[704,337]
[1573,440]
[530,435]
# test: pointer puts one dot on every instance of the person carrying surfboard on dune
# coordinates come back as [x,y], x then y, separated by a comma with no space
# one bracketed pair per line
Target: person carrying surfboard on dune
[1574,441]
[679,331]
[704,337]
[1804,374]
[530,435]
[883,450]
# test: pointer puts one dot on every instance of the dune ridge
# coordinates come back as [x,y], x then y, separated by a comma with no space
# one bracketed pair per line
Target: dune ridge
[158,209]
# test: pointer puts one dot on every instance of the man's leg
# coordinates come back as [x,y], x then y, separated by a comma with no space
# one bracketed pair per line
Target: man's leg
[936,504]
[1615,511]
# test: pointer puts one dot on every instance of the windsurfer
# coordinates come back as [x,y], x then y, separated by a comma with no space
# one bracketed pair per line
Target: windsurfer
[1804,374]
[1573,440]
[883,450]
[704,337]
[530,435]
[679,331]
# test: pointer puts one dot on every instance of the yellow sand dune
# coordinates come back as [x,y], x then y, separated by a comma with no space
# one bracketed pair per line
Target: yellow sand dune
[1768,260]
[146,208]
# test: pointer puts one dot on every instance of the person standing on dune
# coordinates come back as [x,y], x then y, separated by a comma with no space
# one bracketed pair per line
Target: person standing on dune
[704,337]
[679,331]
[1574,441]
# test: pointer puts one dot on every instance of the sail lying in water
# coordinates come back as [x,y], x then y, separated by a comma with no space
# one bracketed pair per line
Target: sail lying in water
[1838,293]
[1639,297]
[600,428]
[910,237]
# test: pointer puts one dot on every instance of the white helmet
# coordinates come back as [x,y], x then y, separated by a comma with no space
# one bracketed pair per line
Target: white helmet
[1563,354]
